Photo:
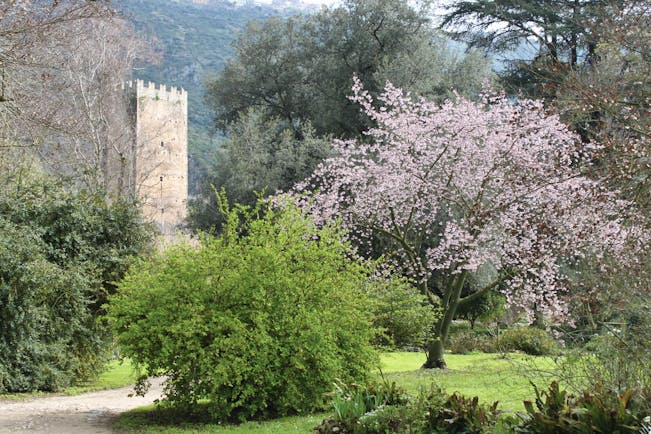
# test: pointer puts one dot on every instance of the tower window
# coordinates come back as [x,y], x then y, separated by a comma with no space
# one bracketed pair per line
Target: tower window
[162,144]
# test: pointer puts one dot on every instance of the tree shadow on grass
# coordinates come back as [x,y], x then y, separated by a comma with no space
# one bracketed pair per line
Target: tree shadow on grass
[156,417]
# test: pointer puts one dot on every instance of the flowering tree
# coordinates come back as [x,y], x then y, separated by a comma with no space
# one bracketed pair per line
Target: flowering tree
[451,189]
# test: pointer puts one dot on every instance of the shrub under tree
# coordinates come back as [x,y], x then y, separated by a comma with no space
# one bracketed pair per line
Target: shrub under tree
[402,314]
[261,155]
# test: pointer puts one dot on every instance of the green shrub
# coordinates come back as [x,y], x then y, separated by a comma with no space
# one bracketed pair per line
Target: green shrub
[464,342]
[44,315]
[617,360]
[599,410]
[486,307]
[402,313]
[620,359]
[60,251]
[388,419]
[529,340]
[259,320]
[431,411]
[353,401]
[375,408]
[463,415]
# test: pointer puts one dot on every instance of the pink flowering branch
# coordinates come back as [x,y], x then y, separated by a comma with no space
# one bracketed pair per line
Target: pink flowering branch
[465,185]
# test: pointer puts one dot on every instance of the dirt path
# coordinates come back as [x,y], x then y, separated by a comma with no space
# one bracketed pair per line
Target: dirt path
[89,413]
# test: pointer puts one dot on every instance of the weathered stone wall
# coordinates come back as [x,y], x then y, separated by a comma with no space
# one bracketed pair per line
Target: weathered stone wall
[160,166]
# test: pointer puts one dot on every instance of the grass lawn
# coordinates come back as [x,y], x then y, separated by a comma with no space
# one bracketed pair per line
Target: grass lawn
[492,377]
[148,420]
[118,374]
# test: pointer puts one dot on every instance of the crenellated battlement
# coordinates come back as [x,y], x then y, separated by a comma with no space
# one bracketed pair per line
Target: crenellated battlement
[158,92]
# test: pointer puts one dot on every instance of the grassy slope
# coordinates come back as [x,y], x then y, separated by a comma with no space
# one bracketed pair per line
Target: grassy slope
[492,377]
[118,374]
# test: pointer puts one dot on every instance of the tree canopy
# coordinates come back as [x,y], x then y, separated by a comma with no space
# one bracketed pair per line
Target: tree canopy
[609,102]
[300,69]
[292,77]
[557,28]
[62,65]
[259,156]
[465,186]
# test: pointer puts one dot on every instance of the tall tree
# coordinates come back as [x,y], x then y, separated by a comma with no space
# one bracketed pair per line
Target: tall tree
[61,253]
[469,185]
[259,156]
[300,69]
[562,34]
[557,28]
[82,110]
[295,74]
[24,27]
[609,101]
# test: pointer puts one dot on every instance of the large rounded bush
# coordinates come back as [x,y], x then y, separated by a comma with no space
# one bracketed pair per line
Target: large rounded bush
[44,320]
[60,252]
[259,321]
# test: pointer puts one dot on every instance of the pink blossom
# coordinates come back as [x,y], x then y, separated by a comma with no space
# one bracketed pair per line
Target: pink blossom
[494,183]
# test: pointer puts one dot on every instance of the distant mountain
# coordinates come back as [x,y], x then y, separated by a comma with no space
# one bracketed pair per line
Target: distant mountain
[282,5]
[195,38]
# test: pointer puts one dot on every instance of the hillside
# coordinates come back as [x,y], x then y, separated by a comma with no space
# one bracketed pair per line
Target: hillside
[194,38]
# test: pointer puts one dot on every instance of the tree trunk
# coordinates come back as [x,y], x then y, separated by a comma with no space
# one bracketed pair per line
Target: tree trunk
[538,317]
[436,347]
[574,38]
[435,359]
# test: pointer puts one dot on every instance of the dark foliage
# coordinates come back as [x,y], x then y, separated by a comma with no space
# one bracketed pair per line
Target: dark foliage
[60,254]
[529,340]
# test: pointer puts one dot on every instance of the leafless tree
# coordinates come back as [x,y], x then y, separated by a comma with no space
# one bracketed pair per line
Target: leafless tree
[24,26]
[63,71]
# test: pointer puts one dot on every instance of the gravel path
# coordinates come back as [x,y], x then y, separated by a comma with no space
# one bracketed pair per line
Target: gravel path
[89,413]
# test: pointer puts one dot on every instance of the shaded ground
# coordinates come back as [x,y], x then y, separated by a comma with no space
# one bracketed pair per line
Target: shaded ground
[89,413]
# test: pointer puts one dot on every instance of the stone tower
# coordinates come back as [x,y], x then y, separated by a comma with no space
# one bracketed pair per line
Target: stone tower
[160,166]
